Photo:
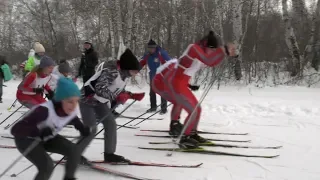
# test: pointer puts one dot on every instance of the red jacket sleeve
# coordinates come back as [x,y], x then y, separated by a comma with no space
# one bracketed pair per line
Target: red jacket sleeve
[143,62]
[27,81]
[211,59]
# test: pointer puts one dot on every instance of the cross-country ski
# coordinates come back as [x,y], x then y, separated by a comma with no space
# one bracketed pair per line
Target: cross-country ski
[200,132]
[208,152]
[137,163]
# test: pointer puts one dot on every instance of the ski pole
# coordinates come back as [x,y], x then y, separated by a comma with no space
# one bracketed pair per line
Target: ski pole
[11,114]
[13,104]
[150,116]
[102,119]
[10,125]
[29,149]
[123,125]
[190,121]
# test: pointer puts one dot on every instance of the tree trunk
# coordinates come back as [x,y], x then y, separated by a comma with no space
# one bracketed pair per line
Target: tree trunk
[129,22]
[291,41]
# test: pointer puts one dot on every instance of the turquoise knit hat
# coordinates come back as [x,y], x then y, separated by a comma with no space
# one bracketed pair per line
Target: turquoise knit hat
[66,88]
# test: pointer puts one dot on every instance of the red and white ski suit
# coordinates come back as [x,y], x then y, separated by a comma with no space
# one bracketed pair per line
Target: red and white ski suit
[172,80]
[25,94]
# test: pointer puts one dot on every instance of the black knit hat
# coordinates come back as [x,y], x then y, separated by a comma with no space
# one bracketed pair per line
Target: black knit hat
[128,61]
[152,44]
[64,68]
[212,40]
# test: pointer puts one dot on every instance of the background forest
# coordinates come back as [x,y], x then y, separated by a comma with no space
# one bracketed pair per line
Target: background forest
[278,40]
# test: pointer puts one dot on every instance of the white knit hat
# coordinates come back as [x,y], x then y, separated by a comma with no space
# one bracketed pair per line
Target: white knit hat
[38,48]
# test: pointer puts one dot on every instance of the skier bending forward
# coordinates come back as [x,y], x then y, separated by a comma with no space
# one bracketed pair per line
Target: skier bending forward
[172,82]
[105,86]
[43,124]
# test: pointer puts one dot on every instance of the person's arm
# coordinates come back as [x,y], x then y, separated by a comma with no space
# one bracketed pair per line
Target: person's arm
[29,64]
[27,81]
[27,126]
[143,61]
[78,125]
[164,56]
[81,65]
[108,75]
[211,59]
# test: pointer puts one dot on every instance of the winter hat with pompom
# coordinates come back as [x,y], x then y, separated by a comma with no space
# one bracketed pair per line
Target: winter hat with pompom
[128,61]
[66,88]
[38,48]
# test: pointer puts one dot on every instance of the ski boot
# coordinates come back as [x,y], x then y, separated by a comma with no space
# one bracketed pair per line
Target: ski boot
[175,128]
[151,110]
[113,158]
[187,142]
[115,113]
[194,135]
[84,161]
[163,111]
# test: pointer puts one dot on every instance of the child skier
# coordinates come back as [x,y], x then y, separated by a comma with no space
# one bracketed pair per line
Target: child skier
[62,70]
[31,89]
[43,124]
[34,57]
[172,83]
[99,91]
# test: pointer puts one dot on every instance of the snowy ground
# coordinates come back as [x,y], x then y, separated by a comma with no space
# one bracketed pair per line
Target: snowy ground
[286,116]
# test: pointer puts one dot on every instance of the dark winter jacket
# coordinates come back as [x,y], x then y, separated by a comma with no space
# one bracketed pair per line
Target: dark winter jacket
[2,62]
[109,73]
[27,126]
[89,61]
[159,57]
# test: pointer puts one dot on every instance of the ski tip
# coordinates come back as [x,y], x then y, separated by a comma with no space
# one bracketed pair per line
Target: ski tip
[198,165]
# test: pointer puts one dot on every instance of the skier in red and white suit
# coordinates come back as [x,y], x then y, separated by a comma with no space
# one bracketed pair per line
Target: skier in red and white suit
[172,83]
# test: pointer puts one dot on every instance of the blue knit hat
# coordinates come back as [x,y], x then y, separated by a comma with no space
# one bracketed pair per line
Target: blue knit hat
[66,88]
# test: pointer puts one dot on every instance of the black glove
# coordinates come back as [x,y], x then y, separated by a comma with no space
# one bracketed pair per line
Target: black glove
[38,90]
[50,95]
[86,131]
[194,88]
[45,132]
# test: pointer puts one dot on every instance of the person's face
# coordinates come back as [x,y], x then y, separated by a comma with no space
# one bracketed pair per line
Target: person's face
[69,105]
[86,46]
[41,53]
[151,50]
[48,70]
[133,72]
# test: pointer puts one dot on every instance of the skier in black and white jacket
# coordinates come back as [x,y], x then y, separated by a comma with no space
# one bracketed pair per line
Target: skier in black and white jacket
[104,87]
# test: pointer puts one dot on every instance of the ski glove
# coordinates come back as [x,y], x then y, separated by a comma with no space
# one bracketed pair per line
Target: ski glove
[86,131]
[137,96]
[123,97]
[45,132]
[194,88]
[38,90]
[50,95]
